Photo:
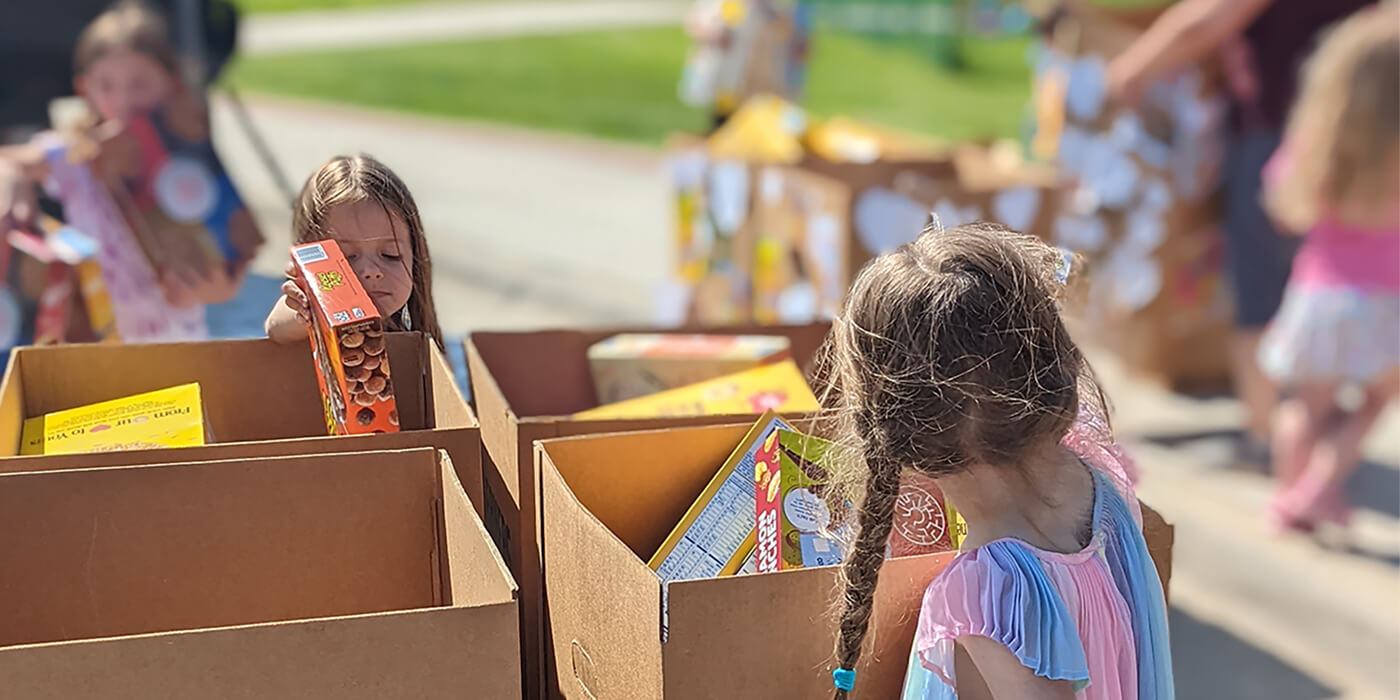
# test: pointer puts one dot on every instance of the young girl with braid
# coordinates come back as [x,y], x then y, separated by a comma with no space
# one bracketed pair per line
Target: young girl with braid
[951,359]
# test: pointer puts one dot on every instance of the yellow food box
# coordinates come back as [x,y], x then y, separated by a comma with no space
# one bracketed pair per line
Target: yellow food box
[777,387]
[172,417]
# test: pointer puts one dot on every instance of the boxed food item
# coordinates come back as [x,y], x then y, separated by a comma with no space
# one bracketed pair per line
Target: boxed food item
[716,535]
[630,365]
[172,417]
[173,191]
[924,521]
[347,343]
[776,387]
[798,525]
[74,305]
[795,527]
[79,251]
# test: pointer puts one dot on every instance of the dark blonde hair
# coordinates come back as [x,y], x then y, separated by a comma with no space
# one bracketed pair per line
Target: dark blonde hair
[1344,133]
[350,179]
[127,24]
[950,354]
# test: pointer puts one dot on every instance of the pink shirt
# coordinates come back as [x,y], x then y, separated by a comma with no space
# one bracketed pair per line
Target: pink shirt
[1336,255]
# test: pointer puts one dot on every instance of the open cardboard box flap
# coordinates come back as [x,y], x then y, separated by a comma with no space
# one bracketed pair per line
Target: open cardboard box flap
[260,397]
[344,575]
[608,501]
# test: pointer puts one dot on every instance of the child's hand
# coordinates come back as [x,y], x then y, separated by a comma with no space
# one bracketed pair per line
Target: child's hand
[190,282]
[291,317]
[296,301]
[19,203]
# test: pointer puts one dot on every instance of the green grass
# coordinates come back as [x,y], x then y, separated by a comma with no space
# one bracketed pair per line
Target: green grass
[622,84]
[293,5]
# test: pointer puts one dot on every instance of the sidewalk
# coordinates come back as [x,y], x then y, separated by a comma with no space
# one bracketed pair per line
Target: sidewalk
[264,34]
[526,229]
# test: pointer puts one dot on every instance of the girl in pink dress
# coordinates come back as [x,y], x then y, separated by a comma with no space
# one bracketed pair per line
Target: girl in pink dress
[1337,178]
[951,360]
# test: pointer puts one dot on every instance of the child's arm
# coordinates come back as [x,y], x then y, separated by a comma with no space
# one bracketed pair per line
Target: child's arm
[987,670]
[21,168]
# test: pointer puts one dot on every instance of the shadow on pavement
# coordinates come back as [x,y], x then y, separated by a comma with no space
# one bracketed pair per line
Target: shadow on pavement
[1374,486]
[1212,663]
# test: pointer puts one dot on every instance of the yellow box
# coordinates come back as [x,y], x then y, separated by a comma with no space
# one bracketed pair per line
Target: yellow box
[777,387]
[171,417]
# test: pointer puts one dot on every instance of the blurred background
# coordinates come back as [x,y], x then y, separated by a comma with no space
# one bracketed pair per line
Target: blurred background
[554,147]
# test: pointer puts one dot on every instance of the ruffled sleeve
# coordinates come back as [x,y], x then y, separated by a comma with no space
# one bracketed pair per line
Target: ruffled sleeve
[1000,591]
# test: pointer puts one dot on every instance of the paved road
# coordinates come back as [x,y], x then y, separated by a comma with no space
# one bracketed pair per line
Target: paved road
[531,230]
[386,26]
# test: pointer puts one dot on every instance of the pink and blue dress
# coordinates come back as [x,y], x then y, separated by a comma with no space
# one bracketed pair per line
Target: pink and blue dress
[1096,618]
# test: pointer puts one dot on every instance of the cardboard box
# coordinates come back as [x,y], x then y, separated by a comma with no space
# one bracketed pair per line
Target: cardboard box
[604,605]
[637,364]
[354,575]
[347,343]
[172,417]
[261,395]
[1139,189]
[527,387]
[776,387]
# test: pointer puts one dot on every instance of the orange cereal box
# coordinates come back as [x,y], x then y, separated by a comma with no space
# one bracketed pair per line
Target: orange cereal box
[347,343]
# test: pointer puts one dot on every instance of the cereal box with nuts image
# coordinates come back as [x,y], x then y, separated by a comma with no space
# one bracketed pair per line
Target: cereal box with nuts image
[799,526]
[347,343]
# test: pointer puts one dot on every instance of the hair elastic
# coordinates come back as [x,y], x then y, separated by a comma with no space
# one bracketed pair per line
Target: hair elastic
[844,678]
[1063,265]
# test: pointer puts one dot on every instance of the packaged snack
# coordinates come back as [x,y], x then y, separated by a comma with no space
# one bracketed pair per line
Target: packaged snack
[778,387]
[72,275]
[630,365]
[924,521]
[798,526]
[347,343]
[717,533]
[172,417]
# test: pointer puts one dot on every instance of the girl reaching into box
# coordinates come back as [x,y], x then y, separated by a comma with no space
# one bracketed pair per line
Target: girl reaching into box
[362,205]
[950,359]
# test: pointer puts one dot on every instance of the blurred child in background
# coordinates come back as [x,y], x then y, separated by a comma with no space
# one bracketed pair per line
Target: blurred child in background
[365,208]
[125,67]
[1337,179]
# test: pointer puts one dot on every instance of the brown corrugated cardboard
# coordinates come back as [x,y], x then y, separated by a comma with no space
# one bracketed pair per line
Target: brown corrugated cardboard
[754,636]
[526,386]
[261,400]
[349,575]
